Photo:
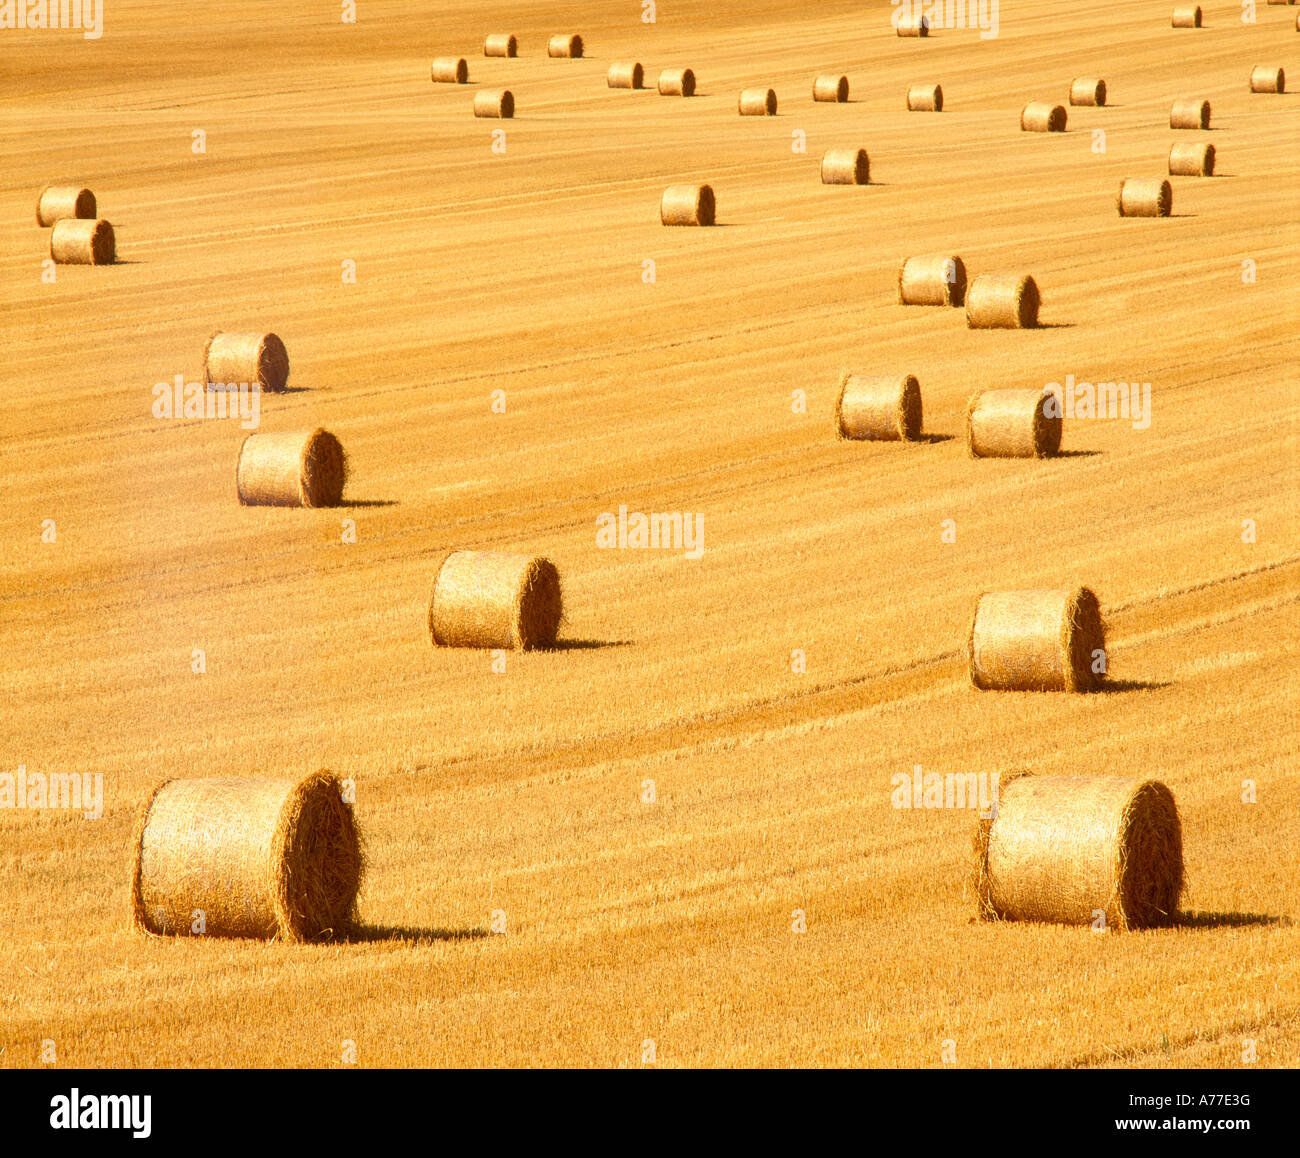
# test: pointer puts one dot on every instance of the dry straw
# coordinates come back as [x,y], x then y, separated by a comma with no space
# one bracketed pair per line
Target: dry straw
[76,241]
[493,599]
[1064,848]
[1189,159]
[933,280]
[846,167]
[1187,17]
[917,25]
[449,70]
[1087,91]
[925,98]
[570,46]
[1188,113]
[259,857]
[630,75]
[676,82]
[758,102]
[500,44]
[1037,641]
[1264,79]
[1146,196]
[1002,301]
[832,88]
[235,359]
[1042,117]
[55,202]
[688,205]
[1012,424]
[494,104]
[878,408]
[291,470]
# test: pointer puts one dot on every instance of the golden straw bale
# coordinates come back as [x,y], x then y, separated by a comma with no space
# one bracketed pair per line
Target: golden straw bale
[1266,79]
[490,599]
[449,70]
[234,359]
[1042,117]
[758,102]
[846,167]
[1188,113]
[494,104]
[76,241]
[925,98]
[564,46]
[1087,91]
[55,202]
[913,25]
[291,470]
[630,75]
[1145,197]
[1037,641]
[501,44]
[1188,16]
[832,88]
[1012,424]
[688,205]
[1002,301]
[676,82]
[878,408]
[933,280]
[1189,159]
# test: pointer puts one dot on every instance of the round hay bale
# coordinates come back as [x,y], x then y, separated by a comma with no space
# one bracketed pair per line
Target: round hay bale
[1012,424]
[846,167]
[1262,79]
[688,205]
[564,46]
[252,358]
[1062,848]
[500,44]
[1002,301]
[925,98]
[1145,197]
[55,202]
[676,82]
[630,75]
[291,470]
[492,599]
[933,280]
[758,102]
[1189,159]
[76,241]
[494,104]
[1036,641]
[1188,113]
[260,857]
[829,87]
[1042,117]
[913,25]
[880,409]
[449,70]
[1088,91]
[1189,16]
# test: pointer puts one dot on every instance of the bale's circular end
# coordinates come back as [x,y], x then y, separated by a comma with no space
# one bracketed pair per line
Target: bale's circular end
[324,470]
[541,605]
[1151,864]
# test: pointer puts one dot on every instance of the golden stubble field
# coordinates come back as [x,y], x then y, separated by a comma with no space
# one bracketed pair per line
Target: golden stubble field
[522,794]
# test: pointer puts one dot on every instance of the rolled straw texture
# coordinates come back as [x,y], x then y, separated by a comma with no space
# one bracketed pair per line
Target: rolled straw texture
[845,167]
[688,205]
[564,46]
[1189,159]
[449,70]
[758,102]
[501,44]
[932,280]
[1188,16]
[76,241]
[237,358]
[291,470]
[1043,117]
[494,104]
[831,88]
[676,82]
[1012,424]
[878,408]
[629,75]
[1188,113]
[490,599]
[1267,79]
[925,98]
[1002,301]
[1036,641]
[913,26]
[1145,197]
[55,202]
[1087,91]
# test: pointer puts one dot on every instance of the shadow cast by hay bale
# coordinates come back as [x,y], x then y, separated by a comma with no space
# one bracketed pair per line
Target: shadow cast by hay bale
[412,934]
[1211,920]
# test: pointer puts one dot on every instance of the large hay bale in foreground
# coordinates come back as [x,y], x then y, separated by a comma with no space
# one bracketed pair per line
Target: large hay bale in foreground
[1188,113]
[925,98]
[491,599]
[688,205]
[1266,79]
[933,280]
[1012,424]
[676,82]
[629,75]
[256,359]
[1188,16]
[76,241]
[878,408]
[1002,301]
[915,24]
[1087,90]
[1189,159]
[831,88]
[758,102]
[258,857]
[291,469]
[1042,117]
[564,46]
[449,70]
[501,44]
[1063,848]
[495,104]
[1145,197]
[55,202]
[1036,641]
[846,167]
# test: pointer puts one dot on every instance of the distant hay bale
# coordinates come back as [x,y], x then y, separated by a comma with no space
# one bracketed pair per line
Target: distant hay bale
[832,88]
[1265,79]
[932,280]
[846,167]
[500,44]
[1042,117]
[1189,114]
[676,82]
[1188,159]
[1087,91]
[914,25]
[1063,848]
[878,408]
[77,241]
[449,70]
[630,75]
[494,104]
[257,857]
[1037,641]
[1189,16]
[925,98]
[1002,301]
[566,46]
[253,358]
[688,205]
[56,202]
[1012,424]
[490,599]
[1146,196]
[291,470]
[758,102]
